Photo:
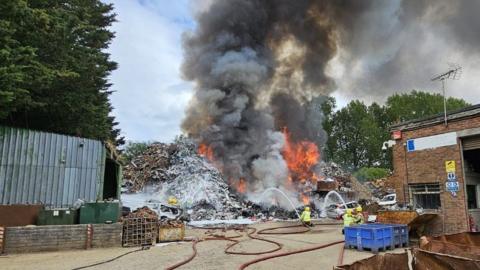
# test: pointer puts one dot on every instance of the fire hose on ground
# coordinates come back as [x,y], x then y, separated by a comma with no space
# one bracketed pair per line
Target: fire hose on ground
[245,265]
[250,232]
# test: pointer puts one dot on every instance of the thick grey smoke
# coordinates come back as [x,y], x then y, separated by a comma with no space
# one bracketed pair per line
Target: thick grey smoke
[400,45]
[257,65]
[261,65]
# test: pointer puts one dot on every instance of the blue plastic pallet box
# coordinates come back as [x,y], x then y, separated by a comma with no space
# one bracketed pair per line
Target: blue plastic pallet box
[374,237]
[400,234]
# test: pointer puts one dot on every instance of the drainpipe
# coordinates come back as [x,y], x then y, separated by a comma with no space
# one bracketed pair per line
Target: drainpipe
[406,172]
[460,143]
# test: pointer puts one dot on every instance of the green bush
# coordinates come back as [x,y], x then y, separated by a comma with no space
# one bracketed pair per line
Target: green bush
[367,174]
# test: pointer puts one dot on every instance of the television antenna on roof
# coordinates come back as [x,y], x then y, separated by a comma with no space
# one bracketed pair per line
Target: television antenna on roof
[453,73]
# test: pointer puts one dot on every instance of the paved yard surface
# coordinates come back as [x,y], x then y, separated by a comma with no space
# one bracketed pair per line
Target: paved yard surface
[210,254]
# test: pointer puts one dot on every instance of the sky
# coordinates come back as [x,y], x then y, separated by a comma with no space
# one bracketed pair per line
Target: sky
[150,95]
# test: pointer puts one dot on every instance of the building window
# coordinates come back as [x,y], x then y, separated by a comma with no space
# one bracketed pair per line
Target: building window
[472,196]
[426,196]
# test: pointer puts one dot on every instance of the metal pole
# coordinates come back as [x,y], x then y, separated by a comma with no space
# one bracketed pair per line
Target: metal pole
[444,102]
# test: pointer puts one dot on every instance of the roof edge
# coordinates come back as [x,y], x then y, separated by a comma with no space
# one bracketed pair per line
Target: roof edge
[454,115]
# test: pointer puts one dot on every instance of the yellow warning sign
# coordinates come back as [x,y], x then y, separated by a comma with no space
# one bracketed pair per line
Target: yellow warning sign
[450,166]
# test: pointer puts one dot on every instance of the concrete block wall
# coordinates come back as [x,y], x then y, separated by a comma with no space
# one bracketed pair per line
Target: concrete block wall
[60,237]
[107,235]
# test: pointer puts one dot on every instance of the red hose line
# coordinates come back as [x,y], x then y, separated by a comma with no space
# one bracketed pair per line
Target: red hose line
[251,236]
[245,265]
[272,230]
[307,229]
[194,248]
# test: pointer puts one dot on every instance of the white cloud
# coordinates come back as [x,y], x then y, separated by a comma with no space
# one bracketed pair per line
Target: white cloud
[151,96]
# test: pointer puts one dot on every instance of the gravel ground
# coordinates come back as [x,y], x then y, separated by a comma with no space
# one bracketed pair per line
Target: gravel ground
[210,254]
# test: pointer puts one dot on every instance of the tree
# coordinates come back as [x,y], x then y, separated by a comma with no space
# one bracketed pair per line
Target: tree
[355,135]
[369,173]
[54,68]
[356,132]
[417,104]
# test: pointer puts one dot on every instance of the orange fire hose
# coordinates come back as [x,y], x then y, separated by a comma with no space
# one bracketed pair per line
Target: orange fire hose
[306,229]
[245,265]
[194,248]
[250,232]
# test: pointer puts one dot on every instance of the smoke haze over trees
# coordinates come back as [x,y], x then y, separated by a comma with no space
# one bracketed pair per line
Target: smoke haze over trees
[54,68]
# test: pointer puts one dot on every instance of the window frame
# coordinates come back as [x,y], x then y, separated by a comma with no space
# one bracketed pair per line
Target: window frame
[425,189]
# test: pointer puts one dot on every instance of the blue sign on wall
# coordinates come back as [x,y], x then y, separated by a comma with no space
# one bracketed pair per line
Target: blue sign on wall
[452,186]
[451,176]
[410,145]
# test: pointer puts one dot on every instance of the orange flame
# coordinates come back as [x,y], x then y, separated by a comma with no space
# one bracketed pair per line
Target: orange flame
[300,157]
[305,199]
[206,151]
[241,185]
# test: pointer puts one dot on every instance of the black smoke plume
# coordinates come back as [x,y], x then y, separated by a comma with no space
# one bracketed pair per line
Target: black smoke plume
[261,65]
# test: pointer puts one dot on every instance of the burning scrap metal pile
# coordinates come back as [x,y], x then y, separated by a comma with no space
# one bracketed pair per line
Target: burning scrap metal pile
[260,75]
[259,71]
[188,172]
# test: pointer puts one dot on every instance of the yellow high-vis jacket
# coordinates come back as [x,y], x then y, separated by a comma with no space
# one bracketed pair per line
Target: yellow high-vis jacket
[348,220]
[305,217]
[359,218]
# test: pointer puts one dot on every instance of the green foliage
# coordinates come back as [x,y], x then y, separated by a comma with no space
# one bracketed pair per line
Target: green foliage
[357,131]
[134,149]
[355,134]
[371,173]
[417,104]
[54,68]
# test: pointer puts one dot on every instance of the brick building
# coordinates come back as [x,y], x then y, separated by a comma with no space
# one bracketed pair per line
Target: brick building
[437,168]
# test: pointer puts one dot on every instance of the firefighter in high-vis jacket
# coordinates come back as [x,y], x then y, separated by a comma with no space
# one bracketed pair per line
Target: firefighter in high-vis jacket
[305,217]
[359,217]
[348,219]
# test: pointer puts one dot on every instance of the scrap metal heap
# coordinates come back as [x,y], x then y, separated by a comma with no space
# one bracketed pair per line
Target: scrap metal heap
[178,170]
[381,187]
[150,167]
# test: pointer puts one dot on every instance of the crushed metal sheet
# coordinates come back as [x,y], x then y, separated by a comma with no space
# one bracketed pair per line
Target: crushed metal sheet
[426,260]
[465,245]
[381,261]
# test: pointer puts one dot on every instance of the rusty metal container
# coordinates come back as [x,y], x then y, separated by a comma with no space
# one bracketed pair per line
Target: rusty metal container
[169,233]
[327,185]
[416,222]
[422,260]
[425,260]
[465,245]
[396,217]
[383,261]
[19,215]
